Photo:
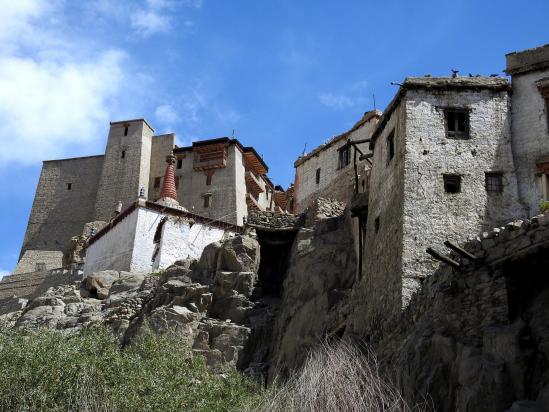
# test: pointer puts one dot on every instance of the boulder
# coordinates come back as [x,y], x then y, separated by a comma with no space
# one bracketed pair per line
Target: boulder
[99,283]
[126,282]
[239,254]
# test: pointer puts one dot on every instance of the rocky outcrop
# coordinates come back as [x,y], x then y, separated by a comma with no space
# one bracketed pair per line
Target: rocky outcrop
[316,288]
[476,336]
[212,318]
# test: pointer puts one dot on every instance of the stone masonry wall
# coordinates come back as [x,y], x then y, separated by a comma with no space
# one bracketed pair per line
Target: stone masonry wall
[223,189]
[380,284]
[125,168]
[334,183]
[432,215]
[476,337]
[59,213]
[530,130]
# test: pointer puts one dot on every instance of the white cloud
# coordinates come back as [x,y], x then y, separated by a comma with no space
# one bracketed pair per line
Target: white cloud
[51,97]
[148,22]
[155,16]
[351,96]
[166,115]
[3,273]
[336,101]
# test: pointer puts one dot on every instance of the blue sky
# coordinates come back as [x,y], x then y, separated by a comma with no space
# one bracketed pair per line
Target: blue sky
[282,74]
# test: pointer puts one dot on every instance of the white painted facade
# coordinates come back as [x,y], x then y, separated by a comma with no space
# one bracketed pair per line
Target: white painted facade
[334,181]
[129,245]
[530,124]
[181,239]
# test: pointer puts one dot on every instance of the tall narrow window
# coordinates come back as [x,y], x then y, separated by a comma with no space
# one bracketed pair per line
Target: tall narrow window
[344,156]
[318,176]
[207,200]
[457,123]
[123,154]
[176,181]
[126,130]
[494,182]
[376,224]
[157,182]
[390,146]
[69,186]
[452,183]
[209,179]
[179,163]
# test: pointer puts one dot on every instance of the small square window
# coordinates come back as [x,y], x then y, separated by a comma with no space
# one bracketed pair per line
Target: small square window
[390,146]
[317,176]
[494,182]
[40,266]
[457,123]
[452,183]
[344,156]
[123,154]
[69,186]
[157,182]
[179,163]
[376,224]
[126,130]
[207,201]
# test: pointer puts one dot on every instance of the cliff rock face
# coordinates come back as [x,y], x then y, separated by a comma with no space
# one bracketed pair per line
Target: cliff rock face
[316,289]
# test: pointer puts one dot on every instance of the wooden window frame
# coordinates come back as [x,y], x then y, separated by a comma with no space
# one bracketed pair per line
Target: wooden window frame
[457,134]
[344,156]
[493,182]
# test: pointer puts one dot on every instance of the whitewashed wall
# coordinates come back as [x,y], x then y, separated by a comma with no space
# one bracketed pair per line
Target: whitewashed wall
[114,249]
[130,246]
[180,240]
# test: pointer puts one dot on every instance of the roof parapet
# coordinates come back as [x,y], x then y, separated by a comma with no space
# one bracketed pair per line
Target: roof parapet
[527,60]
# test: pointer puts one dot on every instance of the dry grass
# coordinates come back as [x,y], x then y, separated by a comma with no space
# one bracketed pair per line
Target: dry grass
[335,377]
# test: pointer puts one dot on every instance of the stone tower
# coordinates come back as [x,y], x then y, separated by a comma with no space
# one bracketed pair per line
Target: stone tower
[125,167]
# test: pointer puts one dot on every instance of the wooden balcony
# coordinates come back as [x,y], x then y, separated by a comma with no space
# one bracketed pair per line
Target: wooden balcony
[252,202]
[253,185]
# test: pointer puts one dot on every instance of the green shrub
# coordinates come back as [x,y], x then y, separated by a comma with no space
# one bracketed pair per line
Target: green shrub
[544,207]
[87,371]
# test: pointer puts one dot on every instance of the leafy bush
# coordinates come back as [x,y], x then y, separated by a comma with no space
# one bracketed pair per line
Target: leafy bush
[544,207]
[87,371]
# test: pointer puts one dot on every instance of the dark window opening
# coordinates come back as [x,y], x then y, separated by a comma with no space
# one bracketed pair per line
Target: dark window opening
[179,163]
[177,181]
[207,199]
[390,146]
[69,186]
[157,182]
[126,130]
[40,266]
[158,232]
[457,124]
[344,156]
[494,182]
[452,183]
[209,179]
[123,154]
[318,176]
[275,252]
[376,225]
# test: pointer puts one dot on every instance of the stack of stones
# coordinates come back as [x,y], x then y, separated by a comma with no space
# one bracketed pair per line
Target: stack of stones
[273,220]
